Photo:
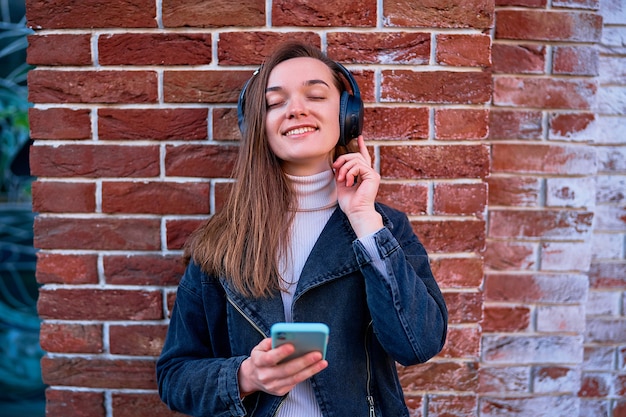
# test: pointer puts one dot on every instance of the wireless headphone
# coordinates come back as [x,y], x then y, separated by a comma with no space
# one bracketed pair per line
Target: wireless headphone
[350,108]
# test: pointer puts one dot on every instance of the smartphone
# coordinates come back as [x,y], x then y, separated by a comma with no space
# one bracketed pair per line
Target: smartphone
[305,337]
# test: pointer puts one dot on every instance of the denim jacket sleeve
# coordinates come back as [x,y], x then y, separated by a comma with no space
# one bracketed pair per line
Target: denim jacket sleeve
[196,374]
[416,331]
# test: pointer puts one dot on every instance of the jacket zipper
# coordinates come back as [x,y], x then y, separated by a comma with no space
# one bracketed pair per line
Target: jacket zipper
[370,398]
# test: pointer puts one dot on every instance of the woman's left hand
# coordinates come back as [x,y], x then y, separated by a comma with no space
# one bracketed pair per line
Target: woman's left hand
[357,186]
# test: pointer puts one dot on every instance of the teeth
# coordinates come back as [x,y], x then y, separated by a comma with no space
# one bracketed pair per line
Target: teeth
[299,131]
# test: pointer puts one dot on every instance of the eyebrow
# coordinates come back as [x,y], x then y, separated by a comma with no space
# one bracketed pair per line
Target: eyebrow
[306,83]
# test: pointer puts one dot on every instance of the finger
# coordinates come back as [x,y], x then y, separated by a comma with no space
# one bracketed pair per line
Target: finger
[363,149]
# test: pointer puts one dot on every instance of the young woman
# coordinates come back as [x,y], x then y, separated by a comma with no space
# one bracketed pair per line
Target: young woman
[300,239]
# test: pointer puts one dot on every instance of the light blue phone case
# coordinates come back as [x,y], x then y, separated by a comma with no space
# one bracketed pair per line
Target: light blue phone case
[306,337]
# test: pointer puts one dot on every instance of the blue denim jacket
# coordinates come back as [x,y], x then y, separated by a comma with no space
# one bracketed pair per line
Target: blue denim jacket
[374,322]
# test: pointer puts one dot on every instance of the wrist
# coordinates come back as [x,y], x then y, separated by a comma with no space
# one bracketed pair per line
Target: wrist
[245,388]
[365,224]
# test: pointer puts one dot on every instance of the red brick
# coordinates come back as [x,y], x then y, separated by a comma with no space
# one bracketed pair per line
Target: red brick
[397,123]
[71,14]
[71,403]
[543,159]
[609,275]
[515,124]
[59,123]
[155,197]
[153,124]
[246,48]
[518,59]
[464,307]
[514,191]
[170,299]
[360,13]
[143,269]
[221,193]
[72,304]
[53,268]
[94,161]
[510,256]
[572,126]
[575,60]
[535,288]
[464,50]
[440,376]
[64,197]
[461,343]
[452,405]
[99,373]
[451,14]
[59,49]
[550,25]
[435,87]
[461,124]
[178,231]
[415,404]
[206,161]
[506,319]
[203,86]
[453,161]
[522,3]
[379,48]
[154,49]
[544,92]
[410,198]
[97,233]
[49,86]
[556,224]
[595,385]
[125,404]
[137,340]
[220,13]
[460,199]
[458,272]
[451,235]
[225,124]
[71,338]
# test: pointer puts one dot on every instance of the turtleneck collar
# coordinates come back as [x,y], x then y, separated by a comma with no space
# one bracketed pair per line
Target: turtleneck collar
[315,192]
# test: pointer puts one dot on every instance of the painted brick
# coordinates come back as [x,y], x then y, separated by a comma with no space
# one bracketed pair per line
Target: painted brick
[99,373]
[379,48]
[48,86]
[611,159]
[178,231]
[555,319]
[71,403]
[603,303]
[544,92]
[611,100]
[94,161]
[203,86]
[610,189]
[453,161]
[96,233]
[565,256]
[518,59]
[507,255]
[435,87]
[453,14]
[458,272]
[452,405]
[153,124]
[461,124]
[398,123]
[63,197]
[575,60]
[129,404]
[510,379]
[524,350]
[543,159]
[540,406]
[595,385]
[451,236]
[245,48]
[611,69]
[578,4]
[610,218]
[606,330]
[59,123]
[599,358]
[548,25]
[61,49]
[556,379]
[506,319]
[137,340]
[221,13]
[154,49]
[459,199]
[607,275]
[205,161]
[515,191]
[410,198]
[564,224]
[572,126]
[522,3]
[606,245]
[463,50]
[64,14]
[463,307]
[360,13]
[143,269]
[593,407]
[515,124]
[130,304]
[53,268]
[440,376]
[536,288]
[71,338]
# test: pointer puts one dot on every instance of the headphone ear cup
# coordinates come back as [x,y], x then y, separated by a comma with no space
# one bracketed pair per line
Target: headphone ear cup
[350,118]
[343,112]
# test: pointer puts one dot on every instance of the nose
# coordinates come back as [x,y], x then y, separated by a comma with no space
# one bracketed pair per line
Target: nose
[297,107]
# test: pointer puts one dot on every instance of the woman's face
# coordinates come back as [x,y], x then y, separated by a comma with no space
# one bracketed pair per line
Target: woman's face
[302,121]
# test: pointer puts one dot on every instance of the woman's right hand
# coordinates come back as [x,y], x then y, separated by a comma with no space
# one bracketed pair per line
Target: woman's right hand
[263,372]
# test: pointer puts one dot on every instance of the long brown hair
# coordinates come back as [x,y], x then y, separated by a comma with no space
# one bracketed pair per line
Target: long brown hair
[244,240]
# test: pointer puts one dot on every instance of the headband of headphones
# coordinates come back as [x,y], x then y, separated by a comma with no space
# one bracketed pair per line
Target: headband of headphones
[350,108]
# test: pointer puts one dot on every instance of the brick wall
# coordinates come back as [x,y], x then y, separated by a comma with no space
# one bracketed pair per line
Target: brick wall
[497,126]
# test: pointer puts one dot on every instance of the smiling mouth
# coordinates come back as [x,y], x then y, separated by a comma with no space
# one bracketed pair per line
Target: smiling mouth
[300,131]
